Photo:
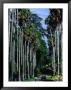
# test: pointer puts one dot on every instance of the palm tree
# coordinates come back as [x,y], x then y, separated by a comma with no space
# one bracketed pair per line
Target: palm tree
[12,42]
[24,15]
[51,31]
[53,20]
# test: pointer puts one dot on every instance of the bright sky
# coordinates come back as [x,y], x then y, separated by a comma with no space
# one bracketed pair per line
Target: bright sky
[43,13]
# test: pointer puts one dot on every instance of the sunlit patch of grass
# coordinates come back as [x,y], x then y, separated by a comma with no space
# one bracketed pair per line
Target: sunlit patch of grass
[57,78]
[54,78]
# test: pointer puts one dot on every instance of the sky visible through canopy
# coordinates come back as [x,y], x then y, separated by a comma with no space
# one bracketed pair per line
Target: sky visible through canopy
[43,13]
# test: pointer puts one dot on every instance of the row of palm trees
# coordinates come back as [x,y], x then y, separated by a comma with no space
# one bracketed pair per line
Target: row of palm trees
[54,35]
[23,42]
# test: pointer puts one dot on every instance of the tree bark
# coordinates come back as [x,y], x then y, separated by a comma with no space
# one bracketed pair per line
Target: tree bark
[54,69]
[58,48]
[61,49]
[10,45]
[19,57]
[28,59]
[25,60]
[17,46]
[53,54]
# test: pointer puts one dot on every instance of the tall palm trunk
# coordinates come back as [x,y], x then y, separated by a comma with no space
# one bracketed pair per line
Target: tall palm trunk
[60,51]
[54,68]
[17,54]
[17,46]
[53,54]
[21,47]
[54,51]
[34,61]
[11,56]
[28,59]
[19,57]
[61,48]
[21,53]
[58,48]
[25,60]
[10,46]
[13,59]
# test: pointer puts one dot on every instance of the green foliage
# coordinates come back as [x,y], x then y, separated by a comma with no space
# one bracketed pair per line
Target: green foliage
[41,54]
[49,78]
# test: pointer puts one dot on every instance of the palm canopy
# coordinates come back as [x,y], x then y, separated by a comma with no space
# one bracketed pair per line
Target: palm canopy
[31,25]
[54,18]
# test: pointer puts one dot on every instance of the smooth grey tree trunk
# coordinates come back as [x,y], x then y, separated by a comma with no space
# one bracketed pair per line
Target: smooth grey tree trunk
[55,48]
[58,48]
[53,54]
[17,52]
[25,61]
[28,58]
[35,59]
[10,43]
[19,57]
[21,52]
[54,68]
[11,55]
[22,56]
[33,62]
[17,45]
[12,48]
[61,49]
